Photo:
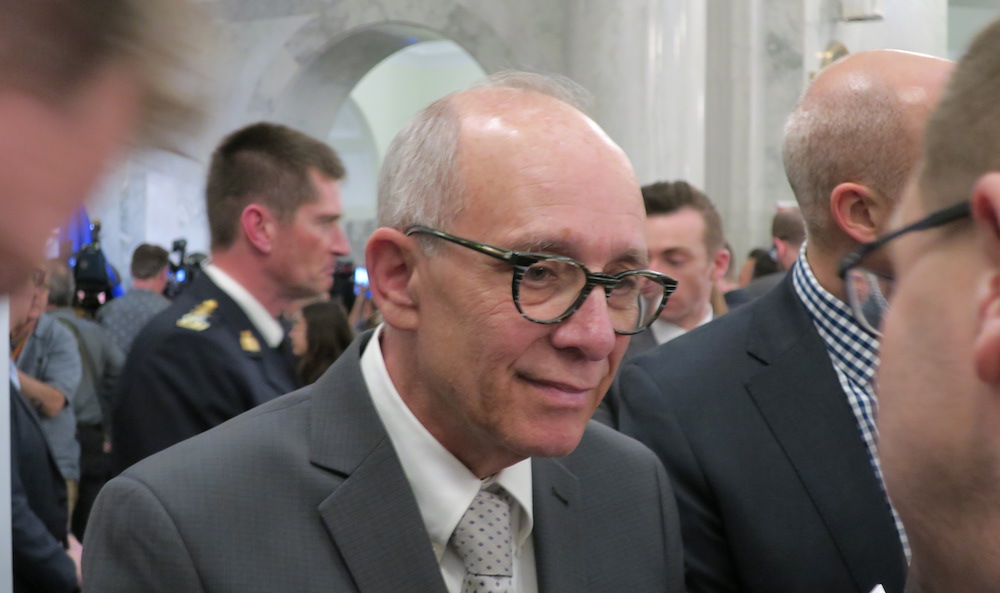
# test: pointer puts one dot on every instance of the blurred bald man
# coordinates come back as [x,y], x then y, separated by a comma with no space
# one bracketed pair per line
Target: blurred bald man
[765,418]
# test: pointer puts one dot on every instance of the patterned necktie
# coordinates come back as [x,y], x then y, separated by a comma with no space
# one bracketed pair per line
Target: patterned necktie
[482,540]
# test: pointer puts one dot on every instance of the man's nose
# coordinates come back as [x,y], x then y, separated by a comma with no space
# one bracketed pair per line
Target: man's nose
[589,329]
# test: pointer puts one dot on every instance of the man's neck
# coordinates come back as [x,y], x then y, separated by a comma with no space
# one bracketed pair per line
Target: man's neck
[694,320]
[400,364]
[147,284]
[250,277]
[824,266]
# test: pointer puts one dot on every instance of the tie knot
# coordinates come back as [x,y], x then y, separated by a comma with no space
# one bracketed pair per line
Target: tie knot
[482,537]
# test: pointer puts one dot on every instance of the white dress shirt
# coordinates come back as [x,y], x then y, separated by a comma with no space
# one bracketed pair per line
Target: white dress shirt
[664,331]
[443,486]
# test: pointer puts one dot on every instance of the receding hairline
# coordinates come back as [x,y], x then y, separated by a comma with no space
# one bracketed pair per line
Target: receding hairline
[422,179]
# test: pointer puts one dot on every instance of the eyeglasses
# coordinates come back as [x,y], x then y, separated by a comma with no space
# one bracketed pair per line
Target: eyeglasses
[549,288]
[868,289]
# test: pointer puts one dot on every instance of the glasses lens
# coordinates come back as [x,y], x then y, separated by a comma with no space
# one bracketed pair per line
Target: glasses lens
[869,293]
[548,288]
[635,302]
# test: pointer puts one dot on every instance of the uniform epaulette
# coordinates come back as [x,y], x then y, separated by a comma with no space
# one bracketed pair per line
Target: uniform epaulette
[197,319]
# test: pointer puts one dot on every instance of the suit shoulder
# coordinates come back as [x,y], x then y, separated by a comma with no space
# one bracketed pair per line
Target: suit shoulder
[604,446]
[700,350]
[270,435]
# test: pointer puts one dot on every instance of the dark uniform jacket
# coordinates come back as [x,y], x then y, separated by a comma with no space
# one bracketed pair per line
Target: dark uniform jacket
[195,365]
[38,507]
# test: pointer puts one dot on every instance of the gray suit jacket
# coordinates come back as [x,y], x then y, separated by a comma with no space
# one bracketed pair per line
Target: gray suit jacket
[306,493]
[773,481]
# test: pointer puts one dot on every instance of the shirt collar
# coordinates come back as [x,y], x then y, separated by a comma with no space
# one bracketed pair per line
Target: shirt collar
[664,331]
[851,347]
[14,378]
[269,327]
[443,486]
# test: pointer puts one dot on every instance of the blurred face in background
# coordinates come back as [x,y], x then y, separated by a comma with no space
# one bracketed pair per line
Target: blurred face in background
[934,429]
[52,154]
[299,335]
[306,247]
[677,249]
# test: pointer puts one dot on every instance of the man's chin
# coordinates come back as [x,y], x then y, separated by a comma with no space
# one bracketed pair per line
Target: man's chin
[557,443]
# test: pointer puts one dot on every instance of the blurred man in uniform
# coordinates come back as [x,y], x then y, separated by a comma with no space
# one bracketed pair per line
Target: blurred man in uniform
[273,202]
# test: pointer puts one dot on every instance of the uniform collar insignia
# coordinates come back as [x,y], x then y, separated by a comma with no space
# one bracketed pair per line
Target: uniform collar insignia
[248,342]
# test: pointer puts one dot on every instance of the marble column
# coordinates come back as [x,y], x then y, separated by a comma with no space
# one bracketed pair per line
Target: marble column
[644,63]
[755,75]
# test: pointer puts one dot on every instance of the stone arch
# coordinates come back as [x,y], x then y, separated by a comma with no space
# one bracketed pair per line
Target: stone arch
[333,51]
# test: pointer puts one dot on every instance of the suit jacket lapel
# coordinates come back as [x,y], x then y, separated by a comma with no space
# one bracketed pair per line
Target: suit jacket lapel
[372,516]
[557,526]
[799,396]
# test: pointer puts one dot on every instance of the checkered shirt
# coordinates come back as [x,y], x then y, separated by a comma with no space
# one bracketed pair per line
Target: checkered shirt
[854,354]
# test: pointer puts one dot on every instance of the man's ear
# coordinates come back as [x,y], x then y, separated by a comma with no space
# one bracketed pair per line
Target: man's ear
[391,258]
[859,211]
[720,263]
[986,213]
[780,251]
[259,227]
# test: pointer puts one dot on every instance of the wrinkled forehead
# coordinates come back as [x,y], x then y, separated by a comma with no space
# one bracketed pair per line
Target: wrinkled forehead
[553,179]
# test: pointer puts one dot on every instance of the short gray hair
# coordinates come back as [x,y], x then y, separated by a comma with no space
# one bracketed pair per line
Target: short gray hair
[843,135]
[419,181]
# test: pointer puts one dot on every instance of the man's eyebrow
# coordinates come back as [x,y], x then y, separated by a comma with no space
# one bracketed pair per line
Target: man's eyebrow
[676,249]
[631,258]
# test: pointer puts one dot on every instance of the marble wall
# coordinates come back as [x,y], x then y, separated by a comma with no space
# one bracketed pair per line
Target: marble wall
[295,63]
[693,89]
[644,62]
[761,55]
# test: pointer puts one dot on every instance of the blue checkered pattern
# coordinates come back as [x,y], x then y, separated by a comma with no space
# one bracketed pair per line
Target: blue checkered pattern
[854,354]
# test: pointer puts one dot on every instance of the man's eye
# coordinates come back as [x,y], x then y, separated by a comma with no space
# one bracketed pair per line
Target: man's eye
[540,272]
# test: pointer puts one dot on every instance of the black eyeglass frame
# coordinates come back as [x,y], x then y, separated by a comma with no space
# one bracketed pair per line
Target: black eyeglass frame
[520,261]
[933,220]
[853,261]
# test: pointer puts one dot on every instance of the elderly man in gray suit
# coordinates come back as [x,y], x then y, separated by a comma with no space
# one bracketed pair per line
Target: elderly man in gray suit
[510,270]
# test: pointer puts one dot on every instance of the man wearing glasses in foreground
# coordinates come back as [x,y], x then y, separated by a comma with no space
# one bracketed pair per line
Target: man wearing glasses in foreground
[939,378]
[765,417]
[508,268]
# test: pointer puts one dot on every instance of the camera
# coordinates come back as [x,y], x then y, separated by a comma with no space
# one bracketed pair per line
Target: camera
[184,271]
